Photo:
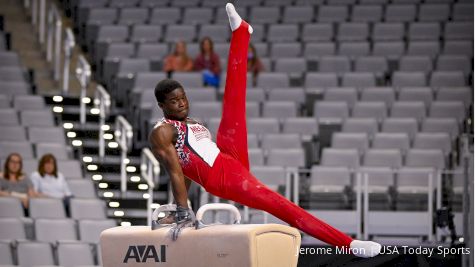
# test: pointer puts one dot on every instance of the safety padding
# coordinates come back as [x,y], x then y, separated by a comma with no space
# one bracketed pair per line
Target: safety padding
[216,245]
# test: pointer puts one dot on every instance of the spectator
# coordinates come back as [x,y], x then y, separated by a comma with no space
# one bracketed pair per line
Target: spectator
[48,182]
[13,181]
[208,62]
[178,60]
[254,64]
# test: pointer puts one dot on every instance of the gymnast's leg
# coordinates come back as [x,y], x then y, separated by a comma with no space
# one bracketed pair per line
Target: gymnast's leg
[232,132]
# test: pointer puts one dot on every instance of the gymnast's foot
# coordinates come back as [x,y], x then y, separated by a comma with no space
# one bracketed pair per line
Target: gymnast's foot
[365,249]
[234,18]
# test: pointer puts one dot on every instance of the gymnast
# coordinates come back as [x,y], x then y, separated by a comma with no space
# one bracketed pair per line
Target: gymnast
[187,151]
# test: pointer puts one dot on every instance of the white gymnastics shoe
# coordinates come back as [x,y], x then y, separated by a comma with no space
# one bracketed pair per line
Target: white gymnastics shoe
[234,18]
[365,249]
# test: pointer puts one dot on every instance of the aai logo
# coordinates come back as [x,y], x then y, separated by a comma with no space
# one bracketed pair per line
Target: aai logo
[142,253]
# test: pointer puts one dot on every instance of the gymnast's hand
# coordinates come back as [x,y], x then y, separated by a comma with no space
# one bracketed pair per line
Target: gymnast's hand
[184,217]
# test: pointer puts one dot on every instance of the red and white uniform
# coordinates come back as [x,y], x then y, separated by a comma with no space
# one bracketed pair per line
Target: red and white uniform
[222,168]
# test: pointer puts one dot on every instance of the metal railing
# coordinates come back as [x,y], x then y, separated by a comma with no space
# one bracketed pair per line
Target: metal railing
[102,102]
[68,47]
[150,170]
[53,43]
[123,136]
[83,74]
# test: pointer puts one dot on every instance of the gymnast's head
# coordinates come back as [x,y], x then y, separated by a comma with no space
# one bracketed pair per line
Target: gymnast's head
[171,98]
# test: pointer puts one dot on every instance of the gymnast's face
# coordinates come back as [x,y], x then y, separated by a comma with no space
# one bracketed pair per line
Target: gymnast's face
[175,106]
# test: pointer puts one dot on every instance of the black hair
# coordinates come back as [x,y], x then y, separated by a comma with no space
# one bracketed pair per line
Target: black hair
[164,87]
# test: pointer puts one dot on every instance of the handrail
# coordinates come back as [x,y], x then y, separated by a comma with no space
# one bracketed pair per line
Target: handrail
[102,101]
[68,46]
[83,73]
[53,51]
[149,169]
[123,135]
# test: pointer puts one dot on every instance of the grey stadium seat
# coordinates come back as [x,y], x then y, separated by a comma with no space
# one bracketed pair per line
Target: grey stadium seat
[47,208]
[337,64]
[176,33]
[367,13]
[458,31]
[313,51]
[434,12]
[424,31]
[286,157]
[384,94]
[188,79]
[145,33]
[416,63]
[34,253]
[404,79]
[53,230]
[291,65]
[9,116]
[263,125]
[37,118]
[440,141]
[203,110]
[28,102]
[6,256]
[298,14]
[271,176]
[423,48]
[346,94]
[332,13]
[427,158]
[376,109]
[400,13]
[383,158]
[391,141]
[344,140]
[411,109]
[340,157]
[461,94]
[58,150]
[375,64]
[46,135]
[218,33]
[270,141]
[13,133]
[72,254]
[273,80]
[393,50]
[360,125]
[458,47]
[123,3]
[256,156]
[284,50]
[317,32]
[165,15]
[388,31]
[11,207]
[414,179]
[283,33]
[89,230]
[400,125]
[454,63]
[317,79]
[307,126]
[81,188]
[12,229]
[462,12]
[296,95]
[447,109]
[423,94]
[358,79]
[22,148]
[354,49]
[329,179]
[195,15]
[269,15]
[152,51]
[279,109]
[87,209]
[133,15]
[331,110]
[70,168]
[447,78]
[353,31]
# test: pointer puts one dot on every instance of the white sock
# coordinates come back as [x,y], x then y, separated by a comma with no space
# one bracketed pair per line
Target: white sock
[365,249]
[234,18]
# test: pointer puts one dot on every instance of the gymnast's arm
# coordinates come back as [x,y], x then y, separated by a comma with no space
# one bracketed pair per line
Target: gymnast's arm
[161,140]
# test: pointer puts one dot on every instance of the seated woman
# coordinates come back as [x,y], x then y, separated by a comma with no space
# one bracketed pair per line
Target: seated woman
[254,64]
[208,63]
[13,181]
[48,182]
[178,60]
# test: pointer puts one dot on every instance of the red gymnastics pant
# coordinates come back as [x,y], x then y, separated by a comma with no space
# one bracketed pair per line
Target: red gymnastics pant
[230,177]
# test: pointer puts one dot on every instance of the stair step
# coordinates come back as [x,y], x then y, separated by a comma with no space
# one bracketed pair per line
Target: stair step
[112,160]
[132,194]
